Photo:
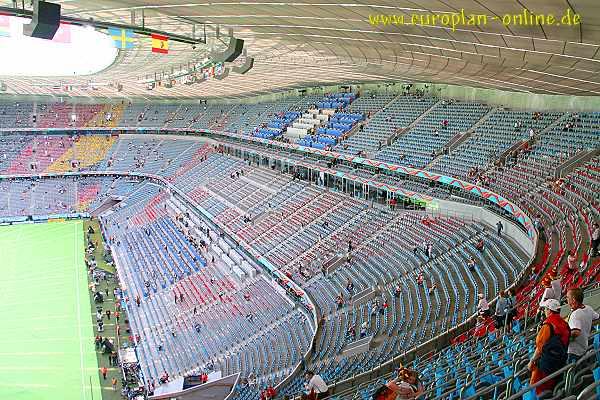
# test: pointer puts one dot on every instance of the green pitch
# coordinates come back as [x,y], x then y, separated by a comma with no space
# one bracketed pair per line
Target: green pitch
[46,337]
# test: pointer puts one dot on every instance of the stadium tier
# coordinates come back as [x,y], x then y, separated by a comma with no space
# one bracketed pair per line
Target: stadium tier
[341,233]
[244,200]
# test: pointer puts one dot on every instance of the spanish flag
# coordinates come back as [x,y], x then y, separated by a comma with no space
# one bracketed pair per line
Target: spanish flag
[160,44]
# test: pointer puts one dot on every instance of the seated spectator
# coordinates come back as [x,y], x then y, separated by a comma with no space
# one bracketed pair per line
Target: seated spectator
[315,387]
[350,287]
[398,291]
[471,264]
[351,332]
[550,347]
[406,386]
[571,259]
[480,245]
[420,279]
[340,300]
[432,289]
[268,393]
[383,307]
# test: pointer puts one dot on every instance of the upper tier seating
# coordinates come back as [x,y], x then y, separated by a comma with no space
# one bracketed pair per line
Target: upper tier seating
[16,115]
[385,122]
[502,129]
[419,145]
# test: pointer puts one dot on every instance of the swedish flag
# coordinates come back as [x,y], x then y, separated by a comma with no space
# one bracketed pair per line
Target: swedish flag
[123,38]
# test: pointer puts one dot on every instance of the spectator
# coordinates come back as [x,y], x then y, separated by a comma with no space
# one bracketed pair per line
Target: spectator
[555,283]
[512,306]
[420,279]
[483,307]
[398,291]
[549,292]
[537,224]
[340,300]
[499,228]
[480,245]
[432,289]
[550,347]
[351,332]
[406,386]
[350,287]
[580,323]
[268,393]
[315,387]
[471,264]
[363,330]
[595,239]
[571,260]
[502,305]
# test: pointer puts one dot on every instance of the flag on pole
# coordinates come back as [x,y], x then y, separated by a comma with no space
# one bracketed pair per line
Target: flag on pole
[160,44]
[4,26]
[123,38]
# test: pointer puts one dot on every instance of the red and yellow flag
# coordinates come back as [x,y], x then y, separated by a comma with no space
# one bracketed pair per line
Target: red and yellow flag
[160,44]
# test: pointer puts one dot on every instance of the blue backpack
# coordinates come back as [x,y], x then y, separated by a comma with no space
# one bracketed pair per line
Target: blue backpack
[554,354]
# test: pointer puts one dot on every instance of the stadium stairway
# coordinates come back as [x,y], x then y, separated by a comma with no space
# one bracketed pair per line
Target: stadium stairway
[423,115]
[461,137]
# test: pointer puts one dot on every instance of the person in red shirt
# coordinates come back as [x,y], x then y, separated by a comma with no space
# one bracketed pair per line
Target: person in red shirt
[552,324]
[268,394]
[104,371]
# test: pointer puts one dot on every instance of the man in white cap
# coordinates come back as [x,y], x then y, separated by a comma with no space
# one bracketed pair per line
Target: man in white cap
[547,359]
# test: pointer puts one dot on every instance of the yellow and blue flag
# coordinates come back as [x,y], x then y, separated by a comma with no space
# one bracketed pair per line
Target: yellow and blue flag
[123,38]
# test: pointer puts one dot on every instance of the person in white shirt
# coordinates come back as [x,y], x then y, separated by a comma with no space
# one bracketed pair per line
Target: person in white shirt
[315,384]
[483,307]
[580,322]
[550,291]
[556,286]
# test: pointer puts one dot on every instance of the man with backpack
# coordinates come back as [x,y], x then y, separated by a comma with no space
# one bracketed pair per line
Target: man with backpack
[551,345]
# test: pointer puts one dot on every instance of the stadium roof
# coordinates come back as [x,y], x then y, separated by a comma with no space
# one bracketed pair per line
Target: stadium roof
[314,42]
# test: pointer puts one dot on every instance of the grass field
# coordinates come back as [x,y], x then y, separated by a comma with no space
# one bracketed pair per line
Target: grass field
[46,337]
